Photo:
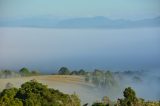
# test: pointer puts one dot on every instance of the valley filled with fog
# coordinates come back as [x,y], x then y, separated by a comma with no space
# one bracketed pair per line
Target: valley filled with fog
[47,49]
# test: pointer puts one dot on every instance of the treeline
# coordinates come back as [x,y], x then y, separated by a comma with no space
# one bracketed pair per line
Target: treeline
[8,74]
[100,78]
[26,72]
[22,72]
[105,78]
[33,93]
[62,71]
[66,71]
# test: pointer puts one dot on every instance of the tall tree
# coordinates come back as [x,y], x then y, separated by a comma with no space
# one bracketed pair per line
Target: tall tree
[24,71]
[64,71]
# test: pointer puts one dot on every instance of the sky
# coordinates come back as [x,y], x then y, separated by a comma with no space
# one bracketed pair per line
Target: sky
[128,9]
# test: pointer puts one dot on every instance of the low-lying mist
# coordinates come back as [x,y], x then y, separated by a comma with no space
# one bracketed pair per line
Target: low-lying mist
[112,84]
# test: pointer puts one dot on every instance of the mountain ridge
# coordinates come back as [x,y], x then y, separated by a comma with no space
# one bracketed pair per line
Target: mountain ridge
[81,22]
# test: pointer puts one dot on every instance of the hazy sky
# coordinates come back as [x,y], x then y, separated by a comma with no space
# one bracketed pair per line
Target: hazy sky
[79,8]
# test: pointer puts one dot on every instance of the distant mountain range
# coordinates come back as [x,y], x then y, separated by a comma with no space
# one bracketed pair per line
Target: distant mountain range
[84,22]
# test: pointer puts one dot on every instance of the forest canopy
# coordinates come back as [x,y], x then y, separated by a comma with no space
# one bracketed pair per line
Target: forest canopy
[33,93]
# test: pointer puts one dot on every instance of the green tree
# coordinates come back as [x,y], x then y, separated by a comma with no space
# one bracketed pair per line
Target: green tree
[7,73]
[64,71]
[24,71]
[98,72]
[74,73]
[7,98]
[35,72]
[81,72]
[130,94]
[130,98]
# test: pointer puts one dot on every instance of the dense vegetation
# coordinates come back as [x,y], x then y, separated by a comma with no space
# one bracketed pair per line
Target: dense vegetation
[35,94]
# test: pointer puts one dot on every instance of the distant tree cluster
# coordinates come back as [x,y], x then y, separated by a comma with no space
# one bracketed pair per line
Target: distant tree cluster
[26,72]
[22,72]
[66,71]
[33,93]
[8,74]
[102,79]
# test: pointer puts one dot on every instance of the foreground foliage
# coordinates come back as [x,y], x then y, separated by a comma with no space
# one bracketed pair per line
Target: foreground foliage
[35,94]
[129,99]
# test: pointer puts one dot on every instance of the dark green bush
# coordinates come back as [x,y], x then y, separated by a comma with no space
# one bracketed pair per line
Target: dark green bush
[33,93]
